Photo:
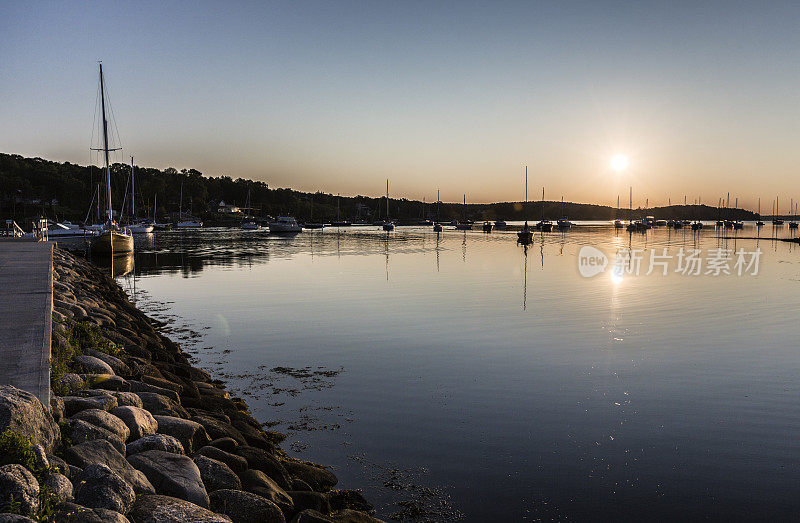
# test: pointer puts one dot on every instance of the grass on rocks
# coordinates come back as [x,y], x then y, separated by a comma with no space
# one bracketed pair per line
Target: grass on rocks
[72,338]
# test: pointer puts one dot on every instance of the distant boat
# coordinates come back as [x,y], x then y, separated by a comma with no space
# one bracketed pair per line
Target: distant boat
[525,236]
[437,227]
[759,223]
[793,223]
[697,225]
[112,239]
[660,223]
[62,230]
[775,219]
[250,226]
[544,225]
[738,224]
[500,224]
[284,225]
[137,226]
[387,224]
[617,222]
[338,222]
[464,224]
[634,225]
[186,223]
[487,226]
[563,222]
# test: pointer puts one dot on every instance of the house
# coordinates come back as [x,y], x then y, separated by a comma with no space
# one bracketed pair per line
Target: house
[227,209]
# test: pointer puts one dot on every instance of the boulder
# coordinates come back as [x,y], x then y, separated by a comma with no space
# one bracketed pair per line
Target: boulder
[140,386]
[105,420]
[192,435]
[18,484]
[74,513]
[119,366]
[311,516]
[110,516]
[75,404]
[264,461]
[14,518]
[155,442]
[219,429]
[320,479]
[237,463]
[161,405]
[303,500]
[163,383]
[58,487]
[69,383]
[78,431]
[128,399]
[216,474]
[353,516]
[101,487]
[245,507]
[56,407]
[349,499]
[139,421]
[172,475]
[164,509]
[257,482]
[59,464]
[91,365]
[226,444]
[101,451]
[106,382]
[23,413]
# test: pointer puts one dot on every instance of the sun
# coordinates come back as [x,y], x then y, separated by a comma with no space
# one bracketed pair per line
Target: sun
[619,162]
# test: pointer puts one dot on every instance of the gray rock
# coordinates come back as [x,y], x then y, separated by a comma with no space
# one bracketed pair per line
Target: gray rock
[58,487]
[74,513]
[342,499]
[155,442]
[68,384]
[216,474]
[139,421]
[353,516]
[23,413]
[59,463]
[172,475]
[14,518]
[77,431]
[74,404]
[40,460]
[191,435]
[303,500]
[105,420]
[166,509]
[101,451]
[219,429]
[237,463]
[161,405]
[321,480]
[56,407]
[119,366]
[128,399]
[259,483]
[92,365]
[245,507]
[140,386]
[17,483]
[106,382]
[101,487]
[262,460]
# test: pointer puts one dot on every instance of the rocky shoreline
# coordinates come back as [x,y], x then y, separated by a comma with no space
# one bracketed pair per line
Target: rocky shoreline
[136,433]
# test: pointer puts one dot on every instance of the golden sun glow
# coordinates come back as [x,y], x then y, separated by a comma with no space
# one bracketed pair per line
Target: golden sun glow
[619,162]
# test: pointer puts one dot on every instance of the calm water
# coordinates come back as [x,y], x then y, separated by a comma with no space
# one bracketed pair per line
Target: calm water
[463,375]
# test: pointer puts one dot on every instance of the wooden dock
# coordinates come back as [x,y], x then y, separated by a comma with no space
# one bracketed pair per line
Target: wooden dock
[26,316]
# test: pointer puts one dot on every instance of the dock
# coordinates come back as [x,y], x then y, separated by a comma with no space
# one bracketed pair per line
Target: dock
[26,316]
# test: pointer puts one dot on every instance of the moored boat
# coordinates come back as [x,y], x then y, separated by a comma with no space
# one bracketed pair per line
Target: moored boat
[284,225]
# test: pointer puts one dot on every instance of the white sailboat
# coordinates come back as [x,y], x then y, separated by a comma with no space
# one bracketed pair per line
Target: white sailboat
[437,227]
[112,239]
[186,224]
[249,225]
[525,236]
[387,224]
[137,226]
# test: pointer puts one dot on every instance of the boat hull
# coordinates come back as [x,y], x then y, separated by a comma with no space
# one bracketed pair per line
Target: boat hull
[112,243]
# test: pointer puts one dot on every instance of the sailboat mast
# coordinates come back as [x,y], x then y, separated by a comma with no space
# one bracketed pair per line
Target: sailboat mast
[438,199]
[105,145]
[387,199]
[542,204]
[133,193]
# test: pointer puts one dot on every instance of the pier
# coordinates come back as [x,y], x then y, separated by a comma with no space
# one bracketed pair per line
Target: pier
[26,319]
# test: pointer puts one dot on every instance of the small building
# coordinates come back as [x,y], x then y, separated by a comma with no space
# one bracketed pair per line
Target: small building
[226,208]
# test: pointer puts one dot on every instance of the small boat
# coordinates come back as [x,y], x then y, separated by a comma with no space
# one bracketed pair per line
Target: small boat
[487,226]
[189,224]
[618,224]
[637,226]
[792,223]
[650,220]
[141,228]
[313,225]
[677,224]
[250,226]
[112,240]
[500,224]
[563,223]
[464,224]
[69,225]
[525,236]
[61,230]
[697,225]
[738,225]
[338,223]
[437,227]
[544,225]
[284,225]
[775,219]
[661,223]
[387,225]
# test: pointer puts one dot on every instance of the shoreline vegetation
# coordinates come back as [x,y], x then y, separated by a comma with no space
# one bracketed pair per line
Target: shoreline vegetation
[34,187]
[136,433]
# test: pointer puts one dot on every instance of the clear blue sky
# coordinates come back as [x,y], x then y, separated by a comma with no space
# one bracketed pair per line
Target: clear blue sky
[338,96]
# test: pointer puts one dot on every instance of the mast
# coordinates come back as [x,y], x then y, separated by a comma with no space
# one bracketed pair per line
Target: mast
[464,217]
[133,193]
[543,204]
[437,205]
[387,199]
[180,203]
[338,197]
[526,184]
[105,145]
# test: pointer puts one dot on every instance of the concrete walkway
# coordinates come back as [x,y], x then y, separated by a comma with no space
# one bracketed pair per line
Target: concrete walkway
[26,316]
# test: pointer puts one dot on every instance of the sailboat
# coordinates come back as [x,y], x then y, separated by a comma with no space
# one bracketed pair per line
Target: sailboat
[737,224]
[311,224]
[437,227]
[637,225]
[464,224]
[186,224]
[249,225]
[525,236]
[544,225]
[137,226]
[563,222]
[793,223]
[387,225]
[617,222]
[112,239]
[339,222]
[775,219]
[759,223]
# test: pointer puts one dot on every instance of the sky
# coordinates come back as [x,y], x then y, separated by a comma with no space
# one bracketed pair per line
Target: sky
[702,97]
